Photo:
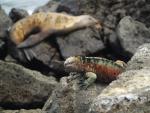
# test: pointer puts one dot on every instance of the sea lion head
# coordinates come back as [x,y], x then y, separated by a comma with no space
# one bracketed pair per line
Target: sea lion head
[87,20]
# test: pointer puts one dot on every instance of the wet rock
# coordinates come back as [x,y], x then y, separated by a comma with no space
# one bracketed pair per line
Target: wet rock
[23,88]
[69,97]
[51,6]
[22,111]
[125,95]
[17,14]
[141,58]
[132,34]
[5,23]
[81,42]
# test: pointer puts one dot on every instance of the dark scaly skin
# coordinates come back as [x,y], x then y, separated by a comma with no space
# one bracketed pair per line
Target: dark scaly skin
[106,70]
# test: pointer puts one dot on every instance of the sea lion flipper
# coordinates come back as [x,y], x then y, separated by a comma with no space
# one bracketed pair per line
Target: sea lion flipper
[35,39]
[29,54]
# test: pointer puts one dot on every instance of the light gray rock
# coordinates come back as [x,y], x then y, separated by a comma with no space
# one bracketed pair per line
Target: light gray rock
[69,97]
[21,87]
[141,58]
[5,23]
[22,111]
[132,34]
[130,93]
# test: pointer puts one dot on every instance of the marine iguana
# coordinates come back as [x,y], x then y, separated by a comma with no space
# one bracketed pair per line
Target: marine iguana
[102,69]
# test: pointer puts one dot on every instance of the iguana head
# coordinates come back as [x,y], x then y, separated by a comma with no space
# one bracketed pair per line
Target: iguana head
[72,64]
[121,63]
[87,20]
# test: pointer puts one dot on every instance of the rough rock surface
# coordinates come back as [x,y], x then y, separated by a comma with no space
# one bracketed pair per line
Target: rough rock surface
[22,111]
[128,94]
[5,23]
[81,42]
[51,6]
[110,12]
[132,34]
[21,87]
[69,6]
[16,14]
[69,97]
[141,58]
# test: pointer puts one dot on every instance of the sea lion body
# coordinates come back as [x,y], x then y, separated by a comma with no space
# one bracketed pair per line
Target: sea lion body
[46,22]
[43,21]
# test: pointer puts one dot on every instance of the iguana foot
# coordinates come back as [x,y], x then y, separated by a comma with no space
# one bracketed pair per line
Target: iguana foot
[91,77]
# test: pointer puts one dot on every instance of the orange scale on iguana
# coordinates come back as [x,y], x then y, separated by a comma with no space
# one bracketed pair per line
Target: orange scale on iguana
[95,68]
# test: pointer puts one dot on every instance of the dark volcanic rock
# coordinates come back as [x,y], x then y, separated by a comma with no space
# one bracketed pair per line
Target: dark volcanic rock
[81,42]
[23,88]
[132,34]
[51,6]
[17,14]
[69,97]
[69,6]
[3,50]
[125,95]
[110,12]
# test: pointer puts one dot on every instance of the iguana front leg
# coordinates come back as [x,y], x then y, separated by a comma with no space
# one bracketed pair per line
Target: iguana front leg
[91,77]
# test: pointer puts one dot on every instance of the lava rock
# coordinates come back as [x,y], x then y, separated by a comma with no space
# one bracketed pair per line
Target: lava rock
[69,97]
[5,23]
[109,14]
[130,93]
[141,58]
[23,88]
[132,34]
[17,14]
[51,6]
[69,6]
[81,42]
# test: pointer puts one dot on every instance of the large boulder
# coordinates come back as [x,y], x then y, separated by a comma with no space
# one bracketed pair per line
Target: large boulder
[81,42]
[132,34]
[110,12]
[23,88]
[141,58]
[130,93]
[70,97]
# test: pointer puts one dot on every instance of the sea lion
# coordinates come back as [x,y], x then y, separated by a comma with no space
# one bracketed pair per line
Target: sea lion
[47,24]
